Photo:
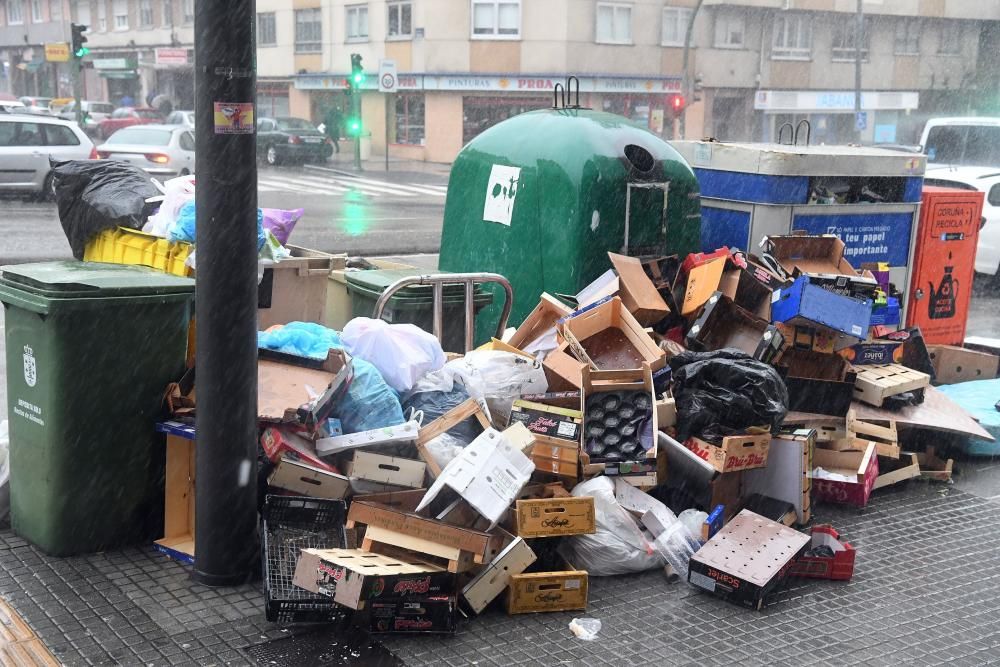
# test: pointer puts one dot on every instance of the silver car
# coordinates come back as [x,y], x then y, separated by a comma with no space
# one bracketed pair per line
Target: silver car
[164,151]
[27,142]
[95,113]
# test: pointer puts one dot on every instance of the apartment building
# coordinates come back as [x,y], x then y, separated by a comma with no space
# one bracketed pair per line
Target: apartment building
[138,49]
[26,26]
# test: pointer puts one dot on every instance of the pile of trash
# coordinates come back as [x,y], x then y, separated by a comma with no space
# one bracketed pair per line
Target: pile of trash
[677,414]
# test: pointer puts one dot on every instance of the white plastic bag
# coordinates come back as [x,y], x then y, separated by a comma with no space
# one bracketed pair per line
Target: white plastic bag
[402,353]
[585,628]
[177,192]
[618,546]
[499,378]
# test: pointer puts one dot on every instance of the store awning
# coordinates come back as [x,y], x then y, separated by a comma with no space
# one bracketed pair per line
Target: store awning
[118,74]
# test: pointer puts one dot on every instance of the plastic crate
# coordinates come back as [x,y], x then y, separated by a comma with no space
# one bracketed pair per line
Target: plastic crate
[131,246]
[290,524]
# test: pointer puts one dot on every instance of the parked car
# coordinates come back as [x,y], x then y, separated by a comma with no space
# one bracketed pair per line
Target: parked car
[972,141]
[291,140]
[12,106]
[126,117]
[185,118]
[987,180]
[164,151]
[96,113]
[27,142]
[37,105]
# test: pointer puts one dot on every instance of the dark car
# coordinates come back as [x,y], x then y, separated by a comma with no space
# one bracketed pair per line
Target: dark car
[291,140]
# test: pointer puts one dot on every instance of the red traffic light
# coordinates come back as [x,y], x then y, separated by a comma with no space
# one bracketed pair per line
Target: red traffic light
[677,103]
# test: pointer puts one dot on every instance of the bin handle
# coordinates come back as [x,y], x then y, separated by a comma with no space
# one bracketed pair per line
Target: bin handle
[781,132]
[556,91]
[437,281]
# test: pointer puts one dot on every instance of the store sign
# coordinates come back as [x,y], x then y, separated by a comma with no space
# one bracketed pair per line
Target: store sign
[820,101]
[171,56]
[57,52]
[473,82]
[111,63]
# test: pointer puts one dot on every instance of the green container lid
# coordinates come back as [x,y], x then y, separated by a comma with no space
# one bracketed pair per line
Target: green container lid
[374,283]
[70,279]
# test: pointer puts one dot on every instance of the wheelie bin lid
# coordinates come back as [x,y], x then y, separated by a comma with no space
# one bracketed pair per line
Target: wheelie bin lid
[374,283]
[72,279]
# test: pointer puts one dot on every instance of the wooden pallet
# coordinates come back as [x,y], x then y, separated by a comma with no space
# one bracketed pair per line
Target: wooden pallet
[874,384]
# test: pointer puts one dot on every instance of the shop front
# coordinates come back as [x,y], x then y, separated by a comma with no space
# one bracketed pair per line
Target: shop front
[171,73]
[884,115]
[121,79]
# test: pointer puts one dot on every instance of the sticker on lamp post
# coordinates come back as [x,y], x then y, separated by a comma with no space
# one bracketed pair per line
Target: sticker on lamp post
[234,118]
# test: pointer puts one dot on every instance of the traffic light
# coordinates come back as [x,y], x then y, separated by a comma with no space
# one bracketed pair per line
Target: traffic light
[697,88]
[79,40]
[353,126]
[357,71]
[677,104]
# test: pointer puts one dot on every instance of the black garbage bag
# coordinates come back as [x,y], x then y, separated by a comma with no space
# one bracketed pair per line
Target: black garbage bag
[724,392]
[436,404]
[94,195]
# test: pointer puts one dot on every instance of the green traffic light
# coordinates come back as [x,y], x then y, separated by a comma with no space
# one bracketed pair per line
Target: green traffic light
[82,52]
[359,78]
[354,126]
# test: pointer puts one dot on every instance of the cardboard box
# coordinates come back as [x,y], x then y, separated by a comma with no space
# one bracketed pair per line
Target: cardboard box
[894,471]
[821,257]
[748,292]
[495,577]
[281,443]
[541,322]
[817,383]
[861,466]
[178,492]
[547,591]
[563,370]
[637,385]
[838,568]
[488,474]
[698,278]
[787,474]
[392,470]
[803,303]
[957,364]
[735,452]
[388,435]
[423,615]
[666,413]
[723,324]
[547,422]
[301,479]
[286,392]
[606,337]
[352,577]
[876,351]
[637,291]
[554,517]
[763,556]
[694,477]
[874,384]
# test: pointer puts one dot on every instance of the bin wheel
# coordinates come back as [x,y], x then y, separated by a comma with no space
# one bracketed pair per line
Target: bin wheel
[48,192]
[271,156]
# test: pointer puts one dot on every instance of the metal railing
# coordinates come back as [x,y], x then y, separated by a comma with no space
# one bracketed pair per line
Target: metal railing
[437,281]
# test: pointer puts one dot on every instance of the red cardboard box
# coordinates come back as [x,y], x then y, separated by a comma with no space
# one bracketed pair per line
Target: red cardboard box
[839,568]
[862,465]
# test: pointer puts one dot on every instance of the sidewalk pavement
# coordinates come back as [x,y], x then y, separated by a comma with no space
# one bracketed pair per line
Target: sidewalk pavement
[925,591]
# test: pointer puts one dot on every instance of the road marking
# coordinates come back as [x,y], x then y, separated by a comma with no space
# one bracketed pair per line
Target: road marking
[349,185]
[346,177]
[283,184]
[443,189]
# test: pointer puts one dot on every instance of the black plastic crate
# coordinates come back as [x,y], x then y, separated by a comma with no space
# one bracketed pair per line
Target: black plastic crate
[293,523]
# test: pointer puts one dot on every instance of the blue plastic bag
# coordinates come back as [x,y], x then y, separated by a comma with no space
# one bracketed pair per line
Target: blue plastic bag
[369,402]
[184,228]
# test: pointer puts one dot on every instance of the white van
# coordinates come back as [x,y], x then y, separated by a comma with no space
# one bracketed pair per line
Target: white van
[970,141]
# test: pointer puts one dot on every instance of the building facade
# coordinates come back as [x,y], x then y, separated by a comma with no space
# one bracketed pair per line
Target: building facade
[26,26]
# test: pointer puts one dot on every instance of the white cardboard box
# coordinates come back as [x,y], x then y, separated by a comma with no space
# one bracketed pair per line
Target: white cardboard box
[489,473]
[494,578]
[387,469]
[306,480]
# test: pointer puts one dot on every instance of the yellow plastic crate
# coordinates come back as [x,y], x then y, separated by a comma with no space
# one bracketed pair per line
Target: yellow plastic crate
[131,246]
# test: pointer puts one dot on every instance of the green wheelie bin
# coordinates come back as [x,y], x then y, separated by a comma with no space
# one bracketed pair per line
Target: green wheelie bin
[90,350]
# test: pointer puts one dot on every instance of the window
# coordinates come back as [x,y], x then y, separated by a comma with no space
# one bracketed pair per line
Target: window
[265,126]
[792,38]
[845,32]
[967,145]
[20,134]
[400,19]
[167,13]
[83,12]
[188,11]
[357,23]
[266,31]
[729,29]
[120,8]
[614,23]
[15,12]
[36,11]
[60,135]
[675,23]
[410,118]
[55,10]
[993,198]
[308,30]
[950,41]
[908,37]
[145,13]
[187,142]
[496,19]
[102,16]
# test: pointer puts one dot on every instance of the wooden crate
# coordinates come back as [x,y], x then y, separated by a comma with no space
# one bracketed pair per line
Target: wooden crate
[886,438]
[874,384]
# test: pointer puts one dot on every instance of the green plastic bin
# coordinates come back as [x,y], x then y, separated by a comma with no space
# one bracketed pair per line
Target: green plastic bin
[415,304]
[90,350]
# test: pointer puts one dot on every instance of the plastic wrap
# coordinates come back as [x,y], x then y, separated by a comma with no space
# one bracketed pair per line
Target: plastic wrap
[725,392]
[177,192]
[403,353]
[280,222]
